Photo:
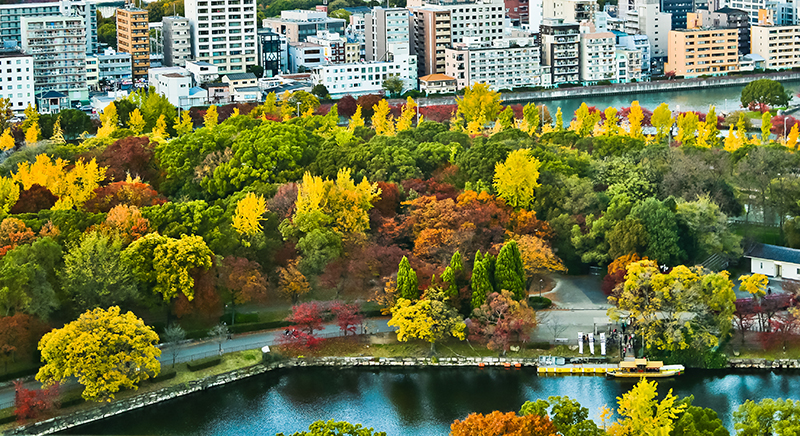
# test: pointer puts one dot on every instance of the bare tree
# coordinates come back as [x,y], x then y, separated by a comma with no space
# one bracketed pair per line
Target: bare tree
[219,333]
[173,335]
[555,326]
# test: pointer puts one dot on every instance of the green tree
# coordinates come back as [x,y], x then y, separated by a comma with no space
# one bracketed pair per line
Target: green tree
[481,284]
[530,116]
[320,91]
[568,416]
[509,273]
[393,85]
[662,231]
[479,104]
[662,120]
[332,428]
[768,417]
[27,277]
[407,285]
[94,274]
[104,349]
[517,178]
[767,92]
[697,421]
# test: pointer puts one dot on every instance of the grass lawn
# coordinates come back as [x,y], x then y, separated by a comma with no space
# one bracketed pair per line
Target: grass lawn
[763,234]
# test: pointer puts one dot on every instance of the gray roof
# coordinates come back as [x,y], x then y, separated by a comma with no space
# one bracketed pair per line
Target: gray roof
[241,76]
[774,252]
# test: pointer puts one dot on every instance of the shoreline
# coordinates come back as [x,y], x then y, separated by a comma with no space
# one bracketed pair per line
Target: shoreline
[102,411]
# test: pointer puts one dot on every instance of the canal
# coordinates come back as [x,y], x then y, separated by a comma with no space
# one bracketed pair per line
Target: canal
[412,402]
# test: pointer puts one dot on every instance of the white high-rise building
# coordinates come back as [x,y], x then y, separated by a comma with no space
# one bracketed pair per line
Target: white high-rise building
[12,14]
[597,55]
[502,64]
[482,19]
[387,33]
[16,79]
[646,18]
[177,41]
[223,33]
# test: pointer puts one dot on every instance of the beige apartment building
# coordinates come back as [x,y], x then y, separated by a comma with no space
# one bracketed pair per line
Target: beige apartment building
[431,35]
[702,51]
[133,36]
[778,45]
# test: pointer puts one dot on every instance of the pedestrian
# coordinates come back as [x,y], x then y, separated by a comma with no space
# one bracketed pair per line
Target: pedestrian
[769,291]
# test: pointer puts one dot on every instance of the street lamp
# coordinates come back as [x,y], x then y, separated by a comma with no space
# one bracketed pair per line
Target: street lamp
[541,285]
[298,109]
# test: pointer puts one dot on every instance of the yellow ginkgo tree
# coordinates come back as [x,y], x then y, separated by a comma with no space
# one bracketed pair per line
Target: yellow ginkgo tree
[249,214]
[517,178]
[642,414]
[72,187]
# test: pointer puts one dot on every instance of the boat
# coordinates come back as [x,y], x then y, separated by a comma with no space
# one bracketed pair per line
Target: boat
[552,365]
[638,368]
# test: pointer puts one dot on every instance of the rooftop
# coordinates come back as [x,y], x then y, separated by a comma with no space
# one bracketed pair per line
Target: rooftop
[436,77]
[241,76]
[774,252]
[12,54]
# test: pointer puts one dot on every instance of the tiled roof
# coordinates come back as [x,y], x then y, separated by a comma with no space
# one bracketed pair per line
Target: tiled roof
[774,252]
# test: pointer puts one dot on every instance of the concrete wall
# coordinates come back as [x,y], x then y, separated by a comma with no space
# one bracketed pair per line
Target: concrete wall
[770,268]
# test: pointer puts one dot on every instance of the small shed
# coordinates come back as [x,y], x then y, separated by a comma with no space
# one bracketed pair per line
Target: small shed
[774,261]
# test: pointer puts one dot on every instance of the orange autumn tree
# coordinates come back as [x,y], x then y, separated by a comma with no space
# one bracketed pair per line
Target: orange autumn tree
[292,283]
[503,424]
[73,187]
[125,223]
[616,271]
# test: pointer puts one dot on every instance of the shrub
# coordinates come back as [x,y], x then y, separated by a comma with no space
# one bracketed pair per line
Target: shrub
[539,303]
[197,365]
[164,375]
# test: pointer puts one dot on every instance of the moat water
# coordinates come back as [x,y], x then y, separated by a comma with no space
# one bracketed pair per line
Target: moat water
[421,402]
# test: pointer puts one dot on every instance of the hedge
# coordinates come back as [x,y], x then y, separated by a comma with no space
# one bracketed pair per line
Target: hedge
[164,375]
[19,374]
[539,303]
[197,365]
[538,345]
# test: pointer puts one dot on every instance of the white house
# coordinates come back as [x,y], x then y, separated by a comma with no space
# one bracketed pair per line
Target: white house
[173,83]
[774,261]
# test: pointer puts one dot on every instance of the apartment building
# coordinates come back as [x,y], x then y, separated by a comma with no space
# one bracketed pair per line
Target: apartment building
[751,7]
[597,57]
[270,52]
[58,47]
[628,65]
[502,64]
[297,25]
[364,78]
[223,33]
[12,14]
[430,37]
[177,41]
[133,37]
[387,33]
[703,51]
[333,46]
[518,12]
[678,9]
[778,45]
[560,50]
[482,19]
[16,79]
[640,43]
[645,17]
[304,56]
[571,11]
[352,51]
[108,67]
[728,18]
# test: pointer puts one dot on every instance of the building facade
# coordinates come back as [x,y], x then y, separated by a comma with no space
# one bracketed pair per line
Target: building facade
[503,64]
[726,17]
[438,84]
[678,9]
[109,68]
[58,47]
[12,14]
[778,45]
[223,33]
[133,37]
[387,33]
[305,56]
[297,25]
[16,79]
[561,50]
[571,11]
[177,41]
[645,17]
[270,51]
[597,57]
[364,78]
[333,46]
[703,51]
[628,65]
[431,35]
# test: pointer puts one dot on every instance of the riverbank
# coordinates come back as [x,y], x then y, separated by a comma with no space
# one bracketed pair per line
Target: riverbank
[102,411]
[623,88]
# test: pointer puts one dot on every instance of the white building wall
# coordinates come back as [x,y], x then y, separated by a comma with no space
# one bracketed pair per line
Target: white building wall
[770,268]
[16,81]
[223,33]
[364,78]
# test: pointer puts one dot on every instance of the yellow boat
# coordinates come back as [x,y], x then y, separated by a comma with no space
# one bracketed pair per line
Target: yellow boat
[642,368]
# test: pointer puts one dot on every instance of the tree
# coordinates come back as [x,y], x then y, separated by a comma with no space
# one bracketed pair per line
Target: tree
[662,120]
[642,413]
[407,115]
[109,121]
[211,118]
[611,124]
[32,134]
[104,349]
[698,421]
[9,194]
[754,284]
[308,103]
[219,334]
[585,120]
[530,118]
[393,85]
[6,140]
[481,284]
[249,214]
[503,424]
[764,93]
[766,127]
[27,277]
[243,280]
[94,274]
[407,286]
[73,187]
[509,271]
[767,417]
[306,317]
[320,91]
[687,128]
[19,334]
[662,231]
[635,118]
[382,120]
[58,133]
[347,316]
[356,120]
[292,283]
[568,416]
[34,199]
[479,104]
[537,257]
[136,122]
[332,428]
[516,179]
[31,403]
[346,106]
[429,320]
[183,125]
[173,335]
[159,133]
[500,320]
[559,121]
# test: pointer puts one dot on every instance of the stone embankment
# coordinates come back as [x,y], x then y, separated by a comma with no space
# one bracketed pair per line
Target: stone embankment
[764,364]
[75,419]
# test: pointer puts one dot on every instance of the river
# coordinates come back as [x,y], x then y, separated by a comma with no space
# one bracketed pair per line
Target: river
[410,402]
[725,99]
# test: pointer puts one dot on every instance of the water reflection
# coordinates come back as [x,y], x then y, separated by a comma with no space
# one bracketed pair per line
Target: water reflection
[411,401]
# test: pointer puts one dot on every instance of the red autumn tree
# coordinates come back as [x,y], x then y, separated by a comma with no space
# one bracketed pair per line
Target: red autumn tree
[347,316]
[431,187]
[503,424]
[243,279]
[366,102]
[306,317]
[19,335]
[438,113]
[500,320]
[346,106]
[624,112]
[132,155]
[31,403]
[782,124]
[206,304]
[282,203]
[389,201]
[34,199]
[132,194]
